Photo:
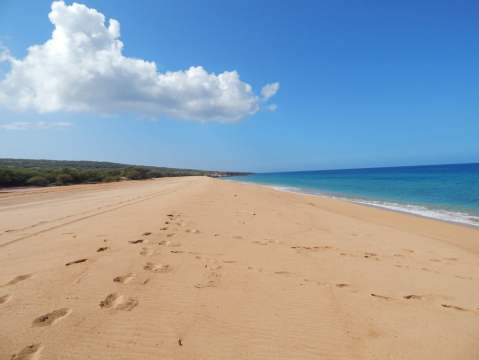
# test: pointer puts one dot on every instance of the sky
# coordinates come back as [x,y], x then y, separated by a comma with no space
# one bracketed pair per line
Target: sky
[241,85]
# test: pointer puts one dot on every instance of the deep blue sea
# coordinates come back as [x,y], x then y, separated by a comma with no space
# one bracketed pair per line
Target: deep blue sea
[445,192]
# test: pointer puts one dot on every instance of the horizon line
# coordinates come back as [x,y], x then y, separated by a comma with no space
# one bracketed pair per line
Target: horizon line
[255,172]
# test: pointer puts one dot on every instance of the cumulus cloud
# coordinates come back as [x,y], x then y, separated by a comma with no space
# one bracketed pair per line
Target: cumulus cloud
[35,125]
[82,68]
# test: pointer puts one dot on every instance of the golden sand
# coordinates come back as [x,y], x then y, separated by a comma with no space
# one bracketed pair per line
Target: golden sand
[199,268]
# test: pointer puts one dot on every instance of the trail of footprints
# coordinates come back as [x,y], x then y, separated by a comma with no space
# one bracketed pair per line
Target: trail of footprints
[366,255]
[113,301]
[409,297]
[423,297]
[117,301]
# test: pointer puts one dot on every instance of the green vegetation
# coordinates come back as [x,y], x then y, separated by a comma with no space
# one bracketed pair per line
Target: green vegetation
[22,172]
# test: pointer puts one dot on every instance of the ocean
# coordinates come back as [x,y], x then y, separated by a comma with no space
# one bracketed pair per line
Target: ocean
[444,192]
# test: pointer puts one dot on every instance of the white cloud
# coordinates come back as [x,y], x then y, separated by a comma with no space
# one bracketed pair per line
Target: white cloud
[82,68]
[4,54]
[269,90]
[35,125]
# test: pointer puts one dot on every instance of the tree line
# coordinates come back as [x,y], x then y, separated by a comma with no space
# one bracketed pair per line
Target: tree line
[19,172]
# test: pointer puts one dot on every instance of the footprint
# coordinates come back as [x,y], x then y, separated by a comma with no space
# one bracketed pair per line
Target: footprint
[447,306]
[110,300]
[210,283]
[381,296]
[212,280]
[451,258]
[463,277]
[341,285]
[117,302]
[412,297]
[19,278]
[146,252]
[146,233]
[76,262]
[176,251]
[157,268]
[139,241]
[124,279]
[314,248]
[262,243]
[30,352]
[51,318]
[103,248]
[172,244]
[272,241]
[282,273]
[4,299]
[127,305]
[194,231]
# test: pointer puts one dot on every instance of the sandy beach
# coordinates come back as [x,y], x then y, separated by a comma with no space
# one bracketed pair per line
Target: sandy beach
[201,268]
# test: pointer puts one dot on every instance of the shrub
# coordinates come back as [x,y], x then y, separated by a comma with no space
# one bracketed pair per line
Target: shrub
[37,181]
[135,173]
[111,178]
[64,179]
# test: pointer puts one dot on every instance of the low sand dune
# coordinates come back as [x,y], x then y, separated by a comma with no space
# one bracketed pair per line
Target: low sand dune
[199,268]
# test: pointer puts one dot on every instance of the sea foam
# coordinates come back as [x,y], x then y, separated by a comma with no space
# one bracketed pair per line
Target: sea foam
[438,214]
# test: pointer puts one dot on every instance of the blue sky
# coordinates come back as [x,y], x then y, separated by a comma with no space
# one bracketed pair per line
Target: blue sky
[361,83]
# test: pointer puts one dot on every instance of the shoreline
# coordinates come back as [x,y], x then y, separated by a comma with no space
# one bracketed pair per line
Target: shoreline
[379,215]
[388,206]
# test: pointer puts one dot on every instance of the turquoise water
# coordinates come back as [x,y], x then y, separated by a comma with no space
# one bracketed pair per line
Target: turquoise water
[446,192]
